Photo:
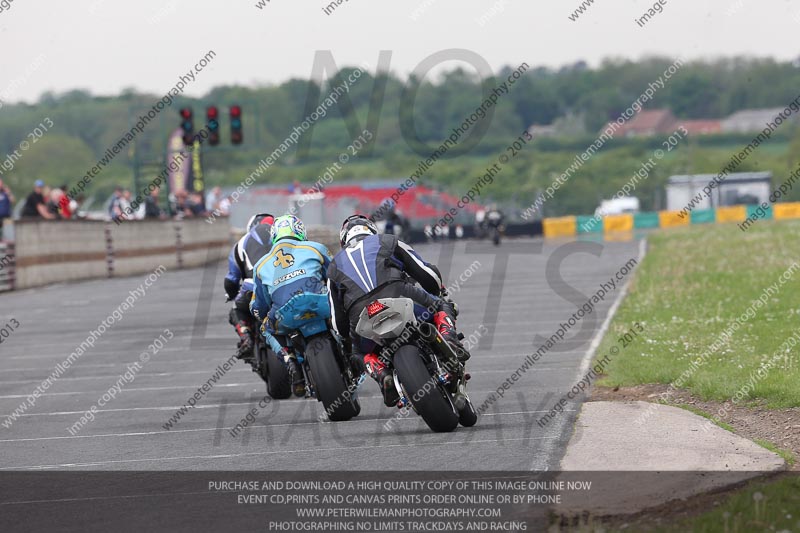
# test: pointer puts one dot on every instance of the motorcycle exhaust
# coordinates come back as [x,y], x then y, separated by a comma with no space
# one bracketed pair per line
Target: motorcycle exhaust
[431,335]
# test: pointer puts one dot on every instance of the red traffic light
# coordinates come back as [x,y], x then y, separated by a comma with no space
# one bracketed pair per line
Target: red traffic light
[236,124]
[186,113]
[212,112]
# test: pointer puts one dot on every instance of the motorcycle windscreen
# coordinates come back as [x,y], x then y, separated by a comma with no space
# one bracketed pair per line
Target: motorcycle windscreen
[386,319]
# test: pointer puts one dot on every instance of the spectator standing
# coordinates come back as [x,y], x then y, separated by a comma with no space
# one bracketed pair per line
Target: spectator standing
[35,204]
[54,202]
[115,206]
[213,199]
[66,206]
[75,205]
[125,203]
[151,207]
[182,204]
[6,200]
[225,206]
[196,204]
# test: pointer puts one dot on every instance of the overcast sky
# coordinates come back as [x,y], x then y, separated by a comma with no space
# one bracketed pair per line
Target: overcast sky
[107,45]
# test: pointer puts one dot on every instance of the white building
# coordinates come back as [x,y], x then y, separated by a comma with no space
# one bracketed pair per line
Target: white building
[736,189]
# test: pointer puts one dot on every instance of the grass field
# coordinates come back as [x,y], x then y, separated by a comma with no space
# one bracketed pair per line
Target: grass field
[694,284]
[762,506]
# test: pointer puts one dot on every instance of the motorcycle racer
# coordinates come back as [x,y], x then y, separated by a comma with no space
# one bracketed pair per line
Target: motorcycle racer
[293,266]
[238,282]
[372,266]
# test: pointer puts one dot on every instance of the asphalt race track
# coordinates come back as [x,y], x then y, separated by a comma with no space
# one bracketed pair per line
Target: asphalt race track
[516,296]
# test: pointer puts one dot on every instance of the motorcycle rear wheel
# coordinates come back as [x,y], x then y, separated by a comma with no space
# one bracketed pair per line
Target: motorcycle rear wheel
[467,416]
[329,382]
[273,372]
[428,397]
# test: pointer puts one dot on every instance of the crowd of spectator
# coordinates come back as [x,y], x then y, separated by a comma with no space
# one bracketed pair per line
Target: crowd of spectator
[182,204]
[43,202]
[50,203]
[53,203]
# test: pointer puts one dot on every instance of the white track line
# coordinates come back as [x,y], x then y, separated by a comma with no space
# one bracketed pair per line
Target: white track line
[103,365]
[92,355]
[174,387]
[471,391]
[205,430]
[587,359]
[114,377]
[598,337]
[285,451]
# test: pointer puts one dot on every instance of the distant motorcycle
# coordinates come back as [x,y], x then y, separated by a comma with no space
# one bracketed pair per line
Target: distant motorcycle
[427,372]
[329,376]
[494,222]
[496,232]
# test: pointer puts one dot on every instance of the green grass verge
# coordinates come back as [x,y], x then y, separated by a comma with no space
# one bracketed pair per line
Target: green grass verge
[691,286]
[762,506]
[785,454]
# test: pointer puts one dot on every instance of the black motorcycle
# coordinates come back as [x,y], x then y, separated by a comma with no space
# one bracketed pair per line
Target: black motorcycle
[274,373]
[428,374]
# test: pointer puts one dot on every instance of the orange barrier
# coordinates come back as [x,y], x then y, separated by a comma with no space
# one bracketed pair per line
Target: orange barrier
[560,227]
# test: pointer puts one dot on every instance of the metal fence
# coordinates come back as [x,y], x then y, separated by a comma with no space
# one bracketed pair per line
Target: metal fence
[7,261]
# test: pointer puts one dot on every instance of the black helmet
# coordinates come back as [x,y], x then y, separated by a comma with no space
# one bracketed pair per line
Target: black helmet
[356,226]
[261,218]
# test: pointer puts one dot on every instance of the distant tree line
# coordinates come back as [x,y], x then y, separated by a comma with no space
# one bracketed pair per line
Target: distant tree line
[581,96]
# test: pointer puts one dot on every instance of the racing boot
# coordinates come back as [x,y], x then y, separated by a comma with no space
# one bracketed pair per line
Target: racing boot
[447,328]
[381,374]
[245,345]
[295,373]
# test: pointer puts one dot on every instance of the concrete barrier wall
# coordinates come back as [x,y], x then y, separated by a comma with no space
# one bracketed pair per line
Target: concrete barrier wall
[141,246]
[57,251]
[50,252]
[202,243]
